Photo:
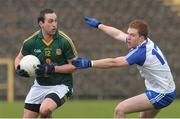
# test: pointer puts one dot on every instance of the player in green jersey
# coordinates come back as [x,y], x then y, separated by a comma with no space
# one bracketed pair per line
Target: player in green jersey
[53,83]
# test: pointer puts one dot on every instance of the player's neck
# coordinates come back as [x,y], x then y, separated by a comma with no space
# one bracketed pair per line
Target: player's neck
[46,36]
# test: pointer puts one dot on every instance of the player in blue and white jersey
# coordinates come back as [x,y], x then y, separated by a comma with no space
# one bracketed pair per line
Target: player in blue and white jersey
[151,63]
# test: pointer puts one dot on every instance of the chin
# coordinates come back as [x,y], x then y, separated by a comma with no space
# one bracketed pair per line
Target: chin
[52,33]
[129,47]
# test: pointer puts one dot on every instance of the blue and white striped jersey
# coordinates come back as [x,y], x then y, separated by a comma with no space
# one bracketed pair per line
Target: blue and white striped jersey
[153,66]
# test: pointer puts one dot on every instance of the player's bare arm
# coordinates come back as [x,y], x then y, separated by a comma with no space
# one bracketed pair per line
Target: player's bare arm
[82,63]
[66,68]
[113,32]
[17,59]
[110,62]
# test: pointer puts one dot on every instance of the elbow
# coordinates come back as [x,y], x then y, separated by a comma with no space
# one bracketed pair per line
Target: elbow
[119,62]
[114,63]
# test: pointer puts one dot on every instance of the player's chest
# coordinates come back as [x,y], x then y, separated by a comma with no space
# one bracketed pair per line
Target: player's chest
[53,49]
[52,52]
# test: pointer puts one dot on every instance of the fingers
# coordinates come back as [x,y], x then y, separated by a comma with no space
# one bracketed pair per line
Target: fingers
[81,63]
[77,62]
[22,72]
[92,22]
[86,18]
[43,69]
[40,66]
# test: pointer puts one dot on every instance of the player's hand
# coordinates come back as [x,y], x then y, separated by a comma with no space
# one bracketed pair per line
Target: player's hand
[21,72]
[43,69]
[92,22]
[82,63]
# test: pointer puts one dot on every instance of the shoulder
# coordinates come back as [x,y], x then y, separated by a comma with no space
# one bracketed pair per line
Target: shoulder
[139,50]
[150,43]
[137,55]
[65,38]
[32,37]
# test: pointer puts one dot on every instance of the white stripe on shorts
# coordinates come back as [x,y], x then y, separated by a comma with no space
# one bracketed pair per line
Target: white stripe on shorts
[157,98]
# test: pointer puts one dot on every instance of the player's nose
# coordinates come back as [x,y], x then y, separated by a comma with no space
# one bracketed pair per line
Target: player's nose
[128,38]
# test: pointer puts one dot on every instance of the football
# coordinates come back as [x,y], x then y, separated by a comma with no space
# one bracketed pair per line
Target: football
[29,63]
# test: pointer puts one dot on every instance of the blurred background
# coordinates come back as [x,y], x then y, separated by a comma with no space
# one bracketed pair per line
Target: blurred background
[18,20]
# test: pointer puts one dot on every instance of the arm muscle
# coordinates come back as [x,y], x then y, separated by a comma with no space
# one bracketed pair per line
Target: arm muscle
[110,62]
[113,32]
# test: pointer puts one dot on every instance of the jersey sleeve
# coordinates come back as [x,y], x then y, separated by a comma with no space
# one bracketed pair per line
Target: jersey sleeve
[26,48]
[70,51]
[136,56]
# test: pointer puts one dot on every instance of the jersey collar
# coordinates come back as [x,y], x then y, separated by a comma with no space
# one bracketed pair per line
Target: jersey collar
[40,35]
[143,43]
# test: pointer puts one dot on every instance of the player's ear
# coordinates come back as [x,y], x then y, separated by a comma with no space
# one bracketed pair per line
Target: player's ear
[40,24]
[142,38]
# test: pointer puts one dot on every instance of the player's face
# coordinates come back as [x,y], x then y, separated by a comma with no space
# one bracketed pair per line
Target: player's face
[50,24]
[133,39]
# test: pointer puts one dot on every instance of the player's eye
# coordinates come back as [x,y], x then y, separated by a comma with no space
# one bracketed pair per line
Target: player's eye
[50,20]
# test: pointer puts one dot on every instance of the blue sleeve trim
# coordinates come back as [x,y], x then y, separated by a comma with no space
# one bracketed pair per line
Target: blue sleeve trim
[137,56]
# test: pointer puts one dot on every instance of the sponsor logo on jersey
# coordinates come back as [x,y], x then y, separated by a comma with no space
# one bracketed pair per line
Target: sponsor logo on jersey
[37,50]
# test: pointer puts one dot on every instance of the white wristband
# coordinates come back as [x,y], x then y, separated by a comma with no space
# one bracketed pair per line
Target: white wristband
[91,63]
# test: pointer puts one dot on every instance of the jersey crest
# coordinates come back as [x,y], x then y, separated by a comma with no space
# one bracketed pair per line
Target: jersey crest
[58,51]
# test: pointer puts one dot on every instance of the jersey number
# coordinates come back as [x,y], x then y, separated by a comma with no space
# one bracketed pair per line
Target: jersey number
[48,53]
[154,52]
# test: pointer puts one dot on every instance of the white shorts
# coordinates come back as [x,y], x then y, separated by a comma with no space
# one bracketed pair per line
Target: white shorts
[37,92]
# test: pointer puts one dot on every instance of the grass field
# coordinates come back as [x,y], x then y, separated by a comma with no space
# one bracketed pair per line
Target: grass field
[85,109]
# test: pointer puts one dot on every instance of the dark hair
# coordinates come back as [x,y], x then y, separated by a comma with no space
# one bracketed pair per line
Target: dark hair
[141,26]
[42,14]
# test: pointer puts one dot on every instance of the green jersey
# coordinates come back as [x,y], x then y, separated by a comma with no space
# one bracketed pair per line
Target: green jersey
[57,51]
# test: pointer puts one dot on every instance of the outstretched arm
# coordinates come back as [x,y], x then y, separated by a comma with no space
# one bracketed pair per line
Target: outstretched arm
[82,63]
[111,31]
[110,62]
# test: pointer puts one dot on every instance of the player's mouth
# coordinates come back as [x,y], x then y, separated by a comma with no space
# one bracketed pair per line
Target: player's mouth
[128,43]
[54,29]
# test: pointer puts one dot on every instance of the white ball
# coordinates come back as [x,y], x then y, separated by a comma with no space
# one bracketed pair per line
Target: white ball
[29,63]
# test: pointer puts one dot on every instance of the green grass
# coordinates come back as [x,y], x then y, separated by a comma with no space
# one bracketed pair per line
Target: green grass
[85,109]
